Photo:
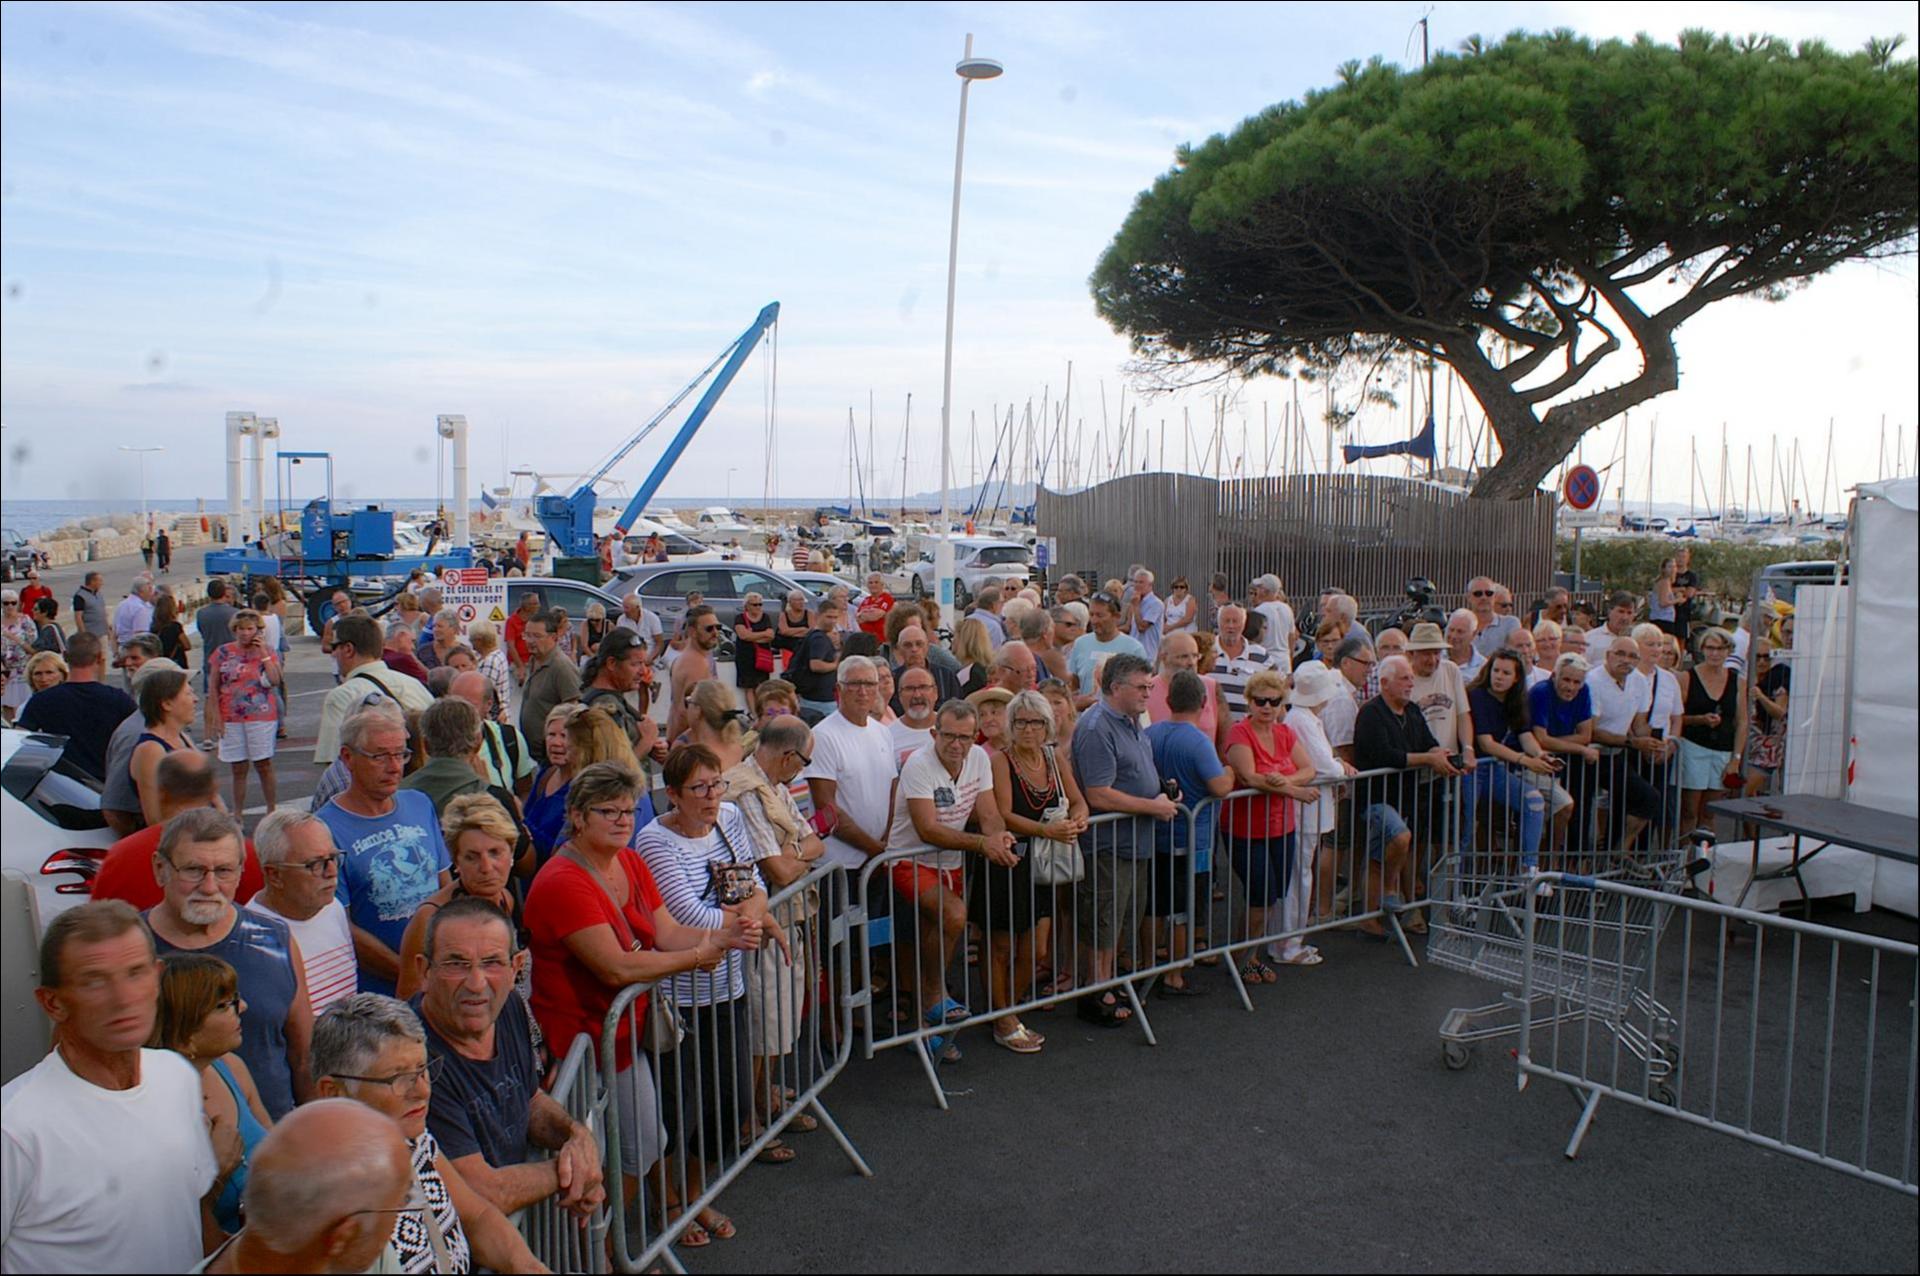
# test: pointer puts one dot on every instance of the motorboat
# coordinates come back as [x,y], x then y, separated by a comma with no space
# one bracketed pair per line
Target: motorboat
[718,525]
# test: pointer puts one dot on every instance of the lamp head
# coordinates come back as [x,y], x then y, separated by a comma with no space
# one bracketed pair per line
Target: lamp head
[978,69]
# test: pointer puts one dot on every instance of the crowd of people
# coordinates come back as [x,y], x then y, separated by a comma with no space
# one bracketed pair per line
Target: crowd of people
[323,1046]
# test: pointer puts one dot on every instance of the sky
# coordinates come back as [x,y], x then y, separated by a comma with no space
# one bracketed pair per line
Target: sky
[550,217]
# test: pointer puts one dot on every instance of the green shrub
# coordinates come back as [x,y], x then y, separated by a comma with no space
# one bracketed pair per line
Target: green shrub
[1726,569]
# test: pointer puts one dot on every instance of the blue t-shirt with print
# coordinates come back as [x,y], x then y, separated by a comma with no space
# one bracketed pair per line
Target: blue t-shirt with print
[1182,752]
[389,864]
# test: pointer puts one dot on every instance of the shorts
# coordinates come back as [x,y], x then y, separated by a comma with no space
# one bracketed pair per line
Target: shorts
[1265,864]
[1384,824]
[1558,799]
[911,880]
[1172,897]
[1110,899]
[642,1136]
[1702,768]
[248,741]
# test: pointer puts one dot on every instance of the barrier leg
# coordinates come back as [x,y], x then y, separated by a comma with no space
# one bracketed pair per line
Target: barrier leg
[832,1127]
[923,1051]
[1586,1119]
[1139,1012]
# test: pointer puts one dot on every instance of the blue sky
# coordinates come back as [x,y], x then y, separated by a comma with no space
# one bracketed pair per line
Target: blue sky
[549,216]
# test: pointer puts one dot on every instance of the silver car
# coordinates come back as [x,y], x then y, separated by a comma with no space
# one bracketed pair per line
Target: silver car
[663,588]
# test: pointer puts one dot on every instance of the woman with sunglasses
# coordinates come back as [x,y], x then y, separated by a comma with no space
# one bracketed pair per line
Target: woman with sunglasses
[704,861]
[755,657]
[1182,609]
[17,637]
[372,1049]
[199,1019]
[1267,756]
[1713,726]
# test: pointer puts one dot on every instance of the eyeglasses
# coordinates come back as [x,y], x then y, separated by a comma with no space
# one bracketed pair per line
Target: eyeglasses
[459,967]
[1483,593]
[705,788]
[1368,661]
[805,760]
[613,814]
[1267,702]
[862,684]
[398,757]
[399,1081]
[709,629]
[955,737]
[194,874]
[1030,722]
[319,865]
[232,1003]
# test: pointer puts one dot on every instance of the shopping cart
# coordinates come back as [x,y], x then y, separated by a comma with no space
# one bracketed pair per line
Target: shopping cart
[1590,949]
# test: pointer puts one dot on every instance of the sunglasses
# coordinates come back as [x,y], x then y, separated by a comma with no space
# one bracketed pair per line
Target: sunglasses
[1267,702]
[1483,593]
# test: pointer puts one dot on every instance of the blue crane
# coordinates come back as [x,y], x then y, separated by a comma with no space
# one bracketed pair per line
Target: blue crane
[568,520]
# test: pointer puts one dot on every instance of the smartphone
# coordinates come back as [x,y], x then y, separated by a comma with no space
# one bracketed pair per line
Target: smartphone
[1171,788]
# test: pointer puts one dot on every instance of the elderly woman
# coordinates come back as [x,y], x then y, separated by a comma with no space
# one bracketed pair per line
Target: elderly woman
[703,859]
[990,703]
[372,1049]
[787,848]
[597,923]
[481,837]
[1311,890]
[755,658]
[772,699]
[1767,732]
[714,722]
[167,706]
[45,669]
[1547,639]
[1713,726]
[1034,785]
[446,636]
[18,634]
[199,1019]
[1265,755]
[1182,614]
[546,809]
[594,630]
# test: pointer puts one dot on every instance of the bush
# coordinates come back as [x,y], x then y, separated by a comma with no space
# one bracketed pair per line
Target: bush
[1726,569]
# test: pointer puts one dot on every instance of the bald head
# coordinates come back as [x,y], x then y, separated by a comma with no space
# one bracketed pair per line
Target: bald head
[311,1179]
[185,781]
[472,687]
[1015,668]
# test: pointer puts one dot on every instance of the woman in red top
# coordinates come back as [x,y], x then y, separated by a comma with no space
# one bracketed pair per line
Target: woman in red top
[597,924]
[1265,755]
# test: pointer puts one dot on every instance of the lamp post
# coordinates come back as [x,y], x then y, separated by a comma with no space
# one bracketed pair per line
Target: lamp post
[969,69]
[731,471]
[146,519]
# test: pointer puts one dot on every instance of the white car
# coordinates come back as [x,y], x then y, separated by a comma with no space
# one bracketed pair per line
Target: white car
[976,559]
[51,829]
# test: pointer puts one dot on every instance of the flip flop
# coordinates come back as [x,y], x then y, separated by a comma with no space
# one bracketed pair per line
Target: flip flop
[1308,956]
[722,1228]
[946,1011]
[693,1236]
[776,1153]
[1024,1041]
[1181,990]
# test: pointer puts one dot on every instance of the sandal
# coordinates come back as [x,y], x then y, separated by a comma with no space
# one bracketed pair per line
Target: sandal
[802,1123]
[776,1153]
[1256,973]
[719,1226]
[1185,988]
[946,1011]
[1023,1040]
[1307,956]
[1103,1011]
[693,1236]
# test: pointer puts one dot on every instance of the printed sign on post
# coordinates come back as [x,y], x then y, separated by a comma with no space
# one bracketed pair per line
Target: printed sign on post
[472,595]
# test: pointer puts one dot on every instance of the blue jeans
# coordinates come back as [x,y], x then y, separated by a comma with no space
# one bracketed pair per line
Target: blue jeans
[1500,784]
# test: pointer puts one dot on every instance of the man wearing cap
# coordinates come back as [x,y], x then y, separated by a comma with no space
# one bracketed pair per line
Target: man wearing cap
[1621,607]
[1492,631]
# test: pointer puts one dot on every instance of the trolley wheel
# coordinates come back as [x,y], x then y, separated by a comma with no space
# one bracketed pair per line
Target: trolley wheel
[1665,1095]
[1456,1055]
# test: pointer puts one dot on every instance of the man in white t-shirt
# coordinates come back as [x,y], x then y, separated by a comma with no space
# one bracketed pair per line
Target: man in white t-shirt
[1622,697]
[1278,634]
[912,729]
[644,623]
[853,768]
[108,1152]
[302,869]
[940,787]
[1440,692]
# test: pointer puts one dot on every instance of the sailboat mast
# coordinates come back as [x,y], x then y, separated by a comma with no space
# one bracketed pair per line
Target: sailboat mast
[906,441]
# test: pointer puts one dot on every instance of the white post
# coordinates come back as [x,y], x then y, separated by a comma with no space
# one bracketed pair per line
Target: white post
[146,519]
[454,428]
[240,425]
[265,428]
[968,70]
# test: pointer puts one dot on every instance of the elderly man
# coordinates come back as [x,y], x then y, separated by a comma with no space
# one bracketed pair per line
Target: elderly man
[198,863]
[487,1110]
[551,680]
[109,1158]
[503,750]
[1070,589]
[1358,683]
[913,651]
[1461,651]
[1114,762]
[1554,606]
[1144,612]
[1391,733]
[185,781]
[1278,634]
[1621,609]
[397,652]
[1622,698]
[1491,628]
[450,731]
[1014,668]
[1036,630]
[1237,658]
[852,770]
[303,871]
[986,608]
[1440,692]
[1103,640]
[874,606]
[392,856]
[85,708]
[644,625]
[356,657]
[1341,609]
[322,1189]
[916,697]
[136,653]
[134,615]
[1561,710]
[761,786]
[943,788]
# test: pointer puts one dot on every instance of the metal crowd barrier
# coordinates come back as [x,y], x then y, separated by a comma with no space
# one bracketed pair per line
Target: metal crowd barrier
[1799,1038]
[1033,946]
[746,1070]
[559,1238]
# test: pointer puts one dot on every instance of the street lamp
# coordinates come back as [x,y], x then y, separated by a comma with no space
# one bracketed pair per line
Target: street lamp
[969,69]
[731,471]
[146,519]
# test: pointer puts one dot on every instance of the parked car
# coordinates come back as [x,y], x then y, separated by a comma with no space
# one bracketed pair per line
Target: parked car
[816,584]
[975,558]
[574,595]
[663,587]
[16,555]
[51,829]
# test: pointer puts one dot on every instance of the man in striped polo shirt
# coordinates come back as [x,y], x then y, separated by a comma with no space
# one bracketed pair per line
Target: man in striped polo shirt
[302,868]
[1235,659]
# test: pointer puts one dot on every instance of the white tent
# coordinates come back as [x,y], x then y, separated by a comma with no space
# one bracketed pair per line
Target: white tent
[1883,702]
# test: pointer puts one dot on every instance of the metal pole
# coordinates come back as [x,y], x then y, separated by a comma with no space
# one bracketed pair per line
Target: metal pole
[146,519]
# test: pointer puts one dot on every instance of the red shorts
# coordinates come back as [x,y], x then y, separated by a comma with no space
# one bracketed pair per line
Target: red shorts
[911,880]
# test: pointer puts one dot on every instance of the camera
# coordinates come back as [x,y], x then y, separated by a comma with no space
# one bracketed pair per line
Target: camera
[1422,606]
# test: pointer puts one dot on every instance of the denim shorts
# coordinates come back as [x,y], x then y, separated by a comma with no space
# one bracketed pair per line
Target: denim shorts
[1384,823]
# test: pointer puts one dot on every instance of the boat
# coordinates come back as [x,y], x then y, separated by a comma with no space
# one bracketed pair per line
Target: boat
[718,525]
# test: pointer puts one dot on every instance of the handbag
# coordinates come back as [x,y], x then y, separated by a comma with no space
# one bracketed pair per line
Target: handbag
[1052,862]
[763,658]
[663,1031]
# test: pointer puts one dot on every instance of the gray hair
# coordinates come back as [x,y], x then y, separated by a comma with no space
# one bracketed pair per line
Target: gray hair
[855,664]
[1032,702]
[1393,665]
[1032,623]
[1572,660]
[1269,582]
[1460,613]
[446,616]
[785,732]
[959,710]
[601,782]
[200,824]
[1003,659]
[450,728]
[1121,665]
[1343,606]
[366,720]
[274,837]
[353,1031]
[159,664]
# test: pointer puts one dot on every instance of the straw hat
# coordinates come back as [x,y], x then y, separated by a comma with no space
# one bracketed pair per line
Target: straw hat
[1426,637]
